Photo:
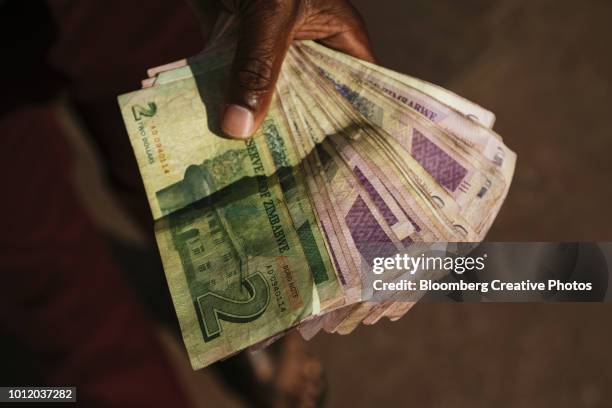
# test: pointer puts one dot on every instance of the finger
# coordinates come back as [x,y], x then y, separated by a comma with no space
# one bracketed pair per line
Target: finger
[354,43]
[264,37]
[339,27]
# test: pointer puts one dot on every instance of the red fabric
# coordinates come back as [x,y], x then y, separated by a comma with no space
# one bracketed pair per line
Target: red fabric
[61,294]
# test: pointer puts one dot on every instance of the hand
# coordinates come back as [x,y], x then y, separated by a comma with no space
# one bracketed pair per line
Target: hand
[267,28]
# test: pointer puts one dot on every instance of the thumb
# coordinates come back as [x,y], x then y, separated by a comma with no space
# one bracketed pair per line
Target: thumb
[265,33]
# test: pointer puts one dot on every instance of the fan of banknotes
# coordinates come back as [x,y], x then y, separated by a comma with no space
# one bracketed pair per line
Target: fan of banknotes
[353,162]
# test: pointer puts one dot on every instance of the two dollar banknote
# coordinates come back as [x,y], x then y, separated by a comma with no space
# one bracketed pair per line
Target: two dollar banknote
[273,233]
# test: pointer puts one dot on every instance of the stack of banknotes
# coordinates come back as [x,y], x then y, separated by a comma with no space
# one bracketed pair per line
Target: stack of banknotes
[277,232]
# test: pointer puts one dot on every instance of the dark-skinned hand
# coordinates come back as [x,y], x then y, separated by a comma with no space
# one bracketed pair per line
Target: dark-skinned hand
[266,30]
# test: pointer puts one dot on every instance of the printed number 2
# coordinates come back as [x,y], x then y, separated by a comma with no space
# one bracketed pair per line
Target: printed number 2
[139,111]
[215,307]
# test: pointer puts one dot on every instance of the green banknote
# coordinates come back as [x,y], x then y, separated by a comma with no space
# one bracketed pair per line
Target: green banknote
[174,126]
[244,263]
[352,162]
[242,249]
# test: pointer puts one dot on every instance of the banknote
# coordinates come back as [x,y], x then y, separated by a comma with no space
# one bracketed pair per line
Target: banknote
[457,123]
[280,231]
[244,264]
[461,170]
[365,154]
[174,132]
[371,191]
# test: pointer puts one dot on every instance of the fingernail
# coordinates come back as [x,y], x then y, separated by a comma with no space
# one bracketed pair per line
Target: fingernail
[237,121]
